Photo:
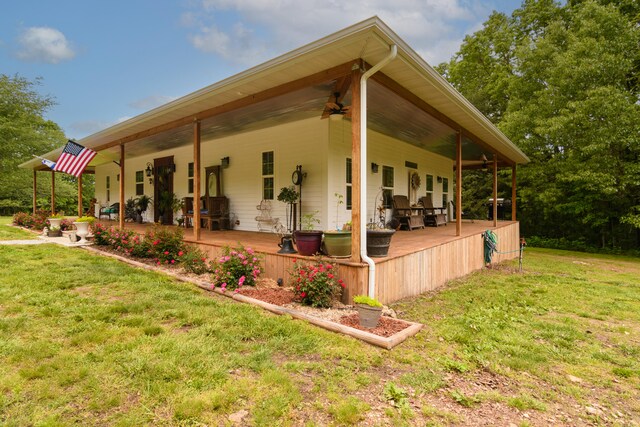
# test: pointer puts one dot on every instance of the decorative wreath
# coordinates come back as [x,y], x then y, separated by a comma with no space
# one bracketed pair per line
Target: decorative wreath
[415,180]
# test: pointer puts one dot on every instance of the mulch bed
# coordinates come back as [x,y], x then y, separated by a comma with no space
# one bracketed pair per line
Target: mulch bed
[387,326]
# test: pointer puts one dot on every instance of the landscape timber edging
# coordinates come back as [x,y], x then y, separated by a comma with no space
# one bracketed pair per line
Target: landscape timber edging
[384,342]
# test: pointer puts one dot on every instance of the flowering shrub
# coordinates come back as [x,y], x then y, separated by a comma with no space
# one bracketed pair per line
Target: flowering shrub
[66,224]
[140,247]
[316,284]
[166,244]
[194,261]
[121,240]
[37,221]
[100,234]
[235,268]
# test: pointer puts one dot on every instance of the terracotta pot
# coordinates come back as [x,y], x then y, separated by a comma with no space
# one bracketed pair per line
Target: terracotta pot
[338,243]
[378,242]
[368,316]
[307,242]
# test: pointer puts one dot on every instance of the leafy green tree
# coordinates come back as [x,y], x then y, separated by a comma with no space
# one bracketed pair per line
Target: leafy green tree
[562,83]
[24,132]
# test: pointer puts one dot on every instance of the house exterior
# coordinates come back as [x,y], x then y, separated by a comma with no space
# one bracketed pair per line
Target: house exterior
[245,136]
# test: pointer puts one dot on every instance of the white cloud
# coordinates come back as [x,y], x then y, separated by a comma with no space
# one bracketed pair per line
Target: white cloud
[151,101]
[44,44]
[260,29]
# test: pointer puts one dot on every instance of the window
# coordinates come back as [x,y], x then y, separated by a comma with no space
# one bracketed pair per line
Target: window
[429,184]
[387,187]
[108,188]
[267,175]
[349,181]
[190,178]
[445,190]
[139,183]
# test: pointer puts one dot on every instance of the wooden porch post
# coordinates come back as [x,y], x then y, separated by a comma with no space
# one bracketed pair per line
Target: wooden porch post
[80,195]
[513,192]
[121,222]
[53,192]
[495,190]
[357,210]
[35,192]
[459,183]
[196,179]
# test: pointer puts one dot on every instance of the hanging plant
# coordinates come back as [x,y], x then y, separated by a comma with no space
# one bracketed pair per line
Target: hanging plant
[415,181]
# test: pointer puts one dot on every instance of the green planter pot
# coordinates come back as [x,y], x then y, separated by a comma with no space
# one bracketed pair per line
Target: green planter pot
[338,243]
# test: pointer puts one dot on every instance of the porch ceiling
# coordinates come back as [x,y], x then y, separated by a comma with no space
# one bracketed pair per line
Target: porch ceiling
[253,100]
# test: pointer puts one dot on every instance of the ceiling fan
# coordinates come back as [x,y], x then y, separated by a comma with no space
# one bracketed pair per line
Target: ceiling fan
[337,107]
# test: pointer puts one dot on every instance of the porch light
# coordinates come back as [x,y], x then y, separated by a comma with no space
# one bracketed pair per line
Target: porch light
[374,167]
[224,162]
[149,171]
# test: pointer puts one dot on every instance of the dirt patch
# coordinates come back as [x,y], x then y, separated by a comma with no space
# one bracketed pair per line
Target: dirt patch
[272,296]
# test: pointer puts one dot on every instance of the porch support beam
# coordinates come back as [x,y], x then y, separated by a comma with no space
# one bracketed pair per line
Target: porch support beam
[358,212]
[196,179]
[319,77]
[121,221]
[35,191]
[459,183]
[53,192]
[513,193]
[392,85]
[80,195]
[495,190]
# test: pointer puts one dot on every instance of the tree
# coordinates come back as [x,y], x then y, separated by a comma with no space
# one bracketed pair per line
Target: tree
[24,132]
[562,83]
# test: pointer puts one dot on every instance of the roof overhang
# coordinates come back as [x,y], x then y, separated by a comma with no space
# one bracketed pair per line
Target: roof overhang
[297,84]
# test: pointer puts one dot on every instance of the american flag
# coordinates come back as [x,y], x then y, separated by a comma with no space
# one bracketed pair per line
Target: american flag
[74,159]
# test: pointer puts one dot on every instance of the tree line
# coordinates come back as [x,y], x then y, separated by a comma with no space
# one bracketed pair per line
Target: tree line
[563,83]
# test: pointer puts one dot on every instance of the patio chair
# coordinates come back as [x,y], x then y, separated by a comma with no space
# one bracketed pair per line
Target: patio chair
[114,210]
[216,213]
[407,215]
[431,218]
[187,212]
[265,221]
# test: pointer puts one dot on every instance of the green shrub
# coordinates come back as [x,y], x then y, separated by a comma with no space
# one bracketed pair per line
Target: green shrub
[235,268]
[100,234]
[166,244]
[194,261]
[366,300]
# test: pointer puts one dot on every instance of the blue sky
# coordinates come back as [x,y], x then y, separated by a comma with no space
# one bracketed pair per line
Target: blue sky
[106,61]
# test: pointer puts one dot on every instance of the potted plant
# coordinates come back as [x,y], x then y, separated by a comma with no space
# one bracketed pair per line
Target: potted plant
[82,227]
[337,243]
[308,240]
[168,202]
[378,240]
[369,310]
[54,231]
[141,206]
[289,195]
[55,220]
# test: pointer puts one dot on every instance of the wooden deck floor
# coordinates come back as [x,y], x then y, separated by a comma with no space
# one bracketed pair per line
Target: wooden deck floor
[402,243]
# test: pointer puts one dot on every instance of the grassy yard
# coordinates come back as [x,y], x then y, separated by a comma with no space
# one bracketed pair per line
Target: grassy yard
[12,233]
[87,340]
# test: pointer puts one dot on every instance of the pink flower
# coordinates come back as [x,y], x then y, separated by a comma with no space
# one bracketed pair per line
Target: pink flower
[166,252]
[241,280]
[173,261]
[180,253]
[156,242]
[223,286]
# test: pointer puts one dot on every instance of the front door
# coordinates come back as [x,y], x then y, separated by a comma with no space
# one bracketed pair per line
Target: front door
[163,190]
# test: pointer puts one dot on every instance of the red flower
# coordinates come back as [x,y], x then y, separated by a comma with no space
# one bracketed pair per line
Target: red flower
[166,252]
[303,294]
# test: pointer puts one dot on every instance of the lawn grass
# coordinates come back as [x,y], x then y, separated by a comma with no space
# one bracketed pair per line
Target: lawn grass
[12,233]
[87,340]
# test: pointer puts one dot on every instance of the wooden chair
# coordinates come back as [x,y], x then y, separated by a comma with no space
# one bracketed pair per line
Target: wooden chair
[187,212]
[431,218]
[407,215]
[217,213]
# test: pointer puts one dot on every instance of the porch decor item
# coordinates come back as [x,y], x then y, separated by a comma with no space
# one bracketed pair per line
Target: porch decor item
[54,221]
[54,232]
[369,310]
[82,228]
[142,204]
[308,240]
[378,242]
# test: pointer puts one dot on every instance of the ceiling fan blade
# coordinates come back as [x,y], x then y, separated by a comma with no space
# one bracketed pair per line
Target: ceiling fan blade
[332,106]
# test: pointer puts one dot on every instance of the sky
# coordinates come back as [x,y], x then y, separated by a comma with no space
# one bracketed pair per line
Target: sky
[107,61]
